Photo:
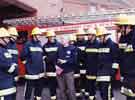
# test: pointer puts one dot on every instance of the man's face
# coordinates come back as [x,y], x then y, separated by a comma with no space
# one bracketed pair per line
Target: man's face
[128,29]
[72,42]
[80,37]
[35,38]
[124,29]
[120,29]
[65,41]
[91,37]
[102,38]
[51,39]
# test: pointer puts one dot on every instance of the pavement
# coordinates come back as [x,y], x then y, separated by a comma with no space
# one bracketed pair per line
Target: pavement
[46,94]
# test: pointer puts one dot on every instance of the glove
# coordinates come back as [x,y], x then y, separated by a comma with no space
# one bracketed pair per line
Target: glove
[61,61]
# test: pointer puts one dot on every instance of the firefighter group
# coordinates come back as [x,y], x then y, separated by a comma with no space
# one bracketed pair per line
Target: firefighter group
[75,66]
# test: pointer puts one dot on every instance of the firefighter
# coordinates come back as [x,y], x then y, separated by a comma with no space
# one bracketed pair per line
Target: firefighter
[91,64]
[65,70]
[72,39]
[21,40]
[108,62]
[126,26]
[50,51]
[12,44]
[32,57]
[7,68]
[80,82]
[12,48]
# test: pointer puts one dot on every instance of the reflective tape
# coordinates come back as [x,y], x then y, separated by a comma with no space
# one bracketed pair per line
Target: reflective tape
[78,94]
[82,48]
[52,74]
[9,91]
[53,97]
[91,97]
[82,71]
[129,48]
[12,51]
[51,49]
[1,98]
[7,55]
[91,50]
[109,92]
[83,90]
[37,98]
[122,45]
[80,64]
[115,65]
[104,50]
[91,77]
[36,49]
[76,75]
[86,94]
[103,78]
[34,77]
[12,68]
[44,57]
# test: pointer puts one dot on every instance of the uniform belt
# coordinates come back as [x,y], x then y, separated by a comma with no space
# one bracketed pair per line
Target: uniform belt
[34,77]
[8,91]
[53,74]
[103,78]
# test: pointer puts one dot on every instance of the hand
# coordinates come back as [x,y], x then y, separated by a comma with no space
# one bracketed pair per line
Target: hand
[62,61]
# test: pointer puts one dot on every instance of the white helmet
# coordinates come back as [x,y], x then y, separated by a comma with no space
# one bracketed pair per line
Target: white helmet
[91,31]
[4,32]
[12,31]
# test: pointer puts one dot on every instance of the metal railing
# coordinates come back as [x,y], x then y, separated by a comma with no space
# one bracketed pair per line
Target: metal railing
[56,20]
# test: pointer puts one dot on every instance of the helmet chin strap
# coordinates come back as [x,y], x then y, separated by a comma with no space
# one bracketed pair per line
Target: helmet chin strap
[105,39]
[35,38]
[12,39]
[4,41]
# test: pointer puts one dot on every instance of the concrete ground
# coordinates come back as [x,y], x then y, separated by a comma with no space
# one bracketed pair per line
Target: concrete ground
[45,95]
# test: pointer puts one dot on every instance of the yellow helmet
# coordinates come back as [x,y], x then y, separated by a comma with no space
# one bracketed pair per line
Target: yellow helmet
[132,19]
[4,32]
[125,20]
[91,31]
[36,31]
[50,33]
[12,31]
[72,37]
[101,31]
[81,31]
